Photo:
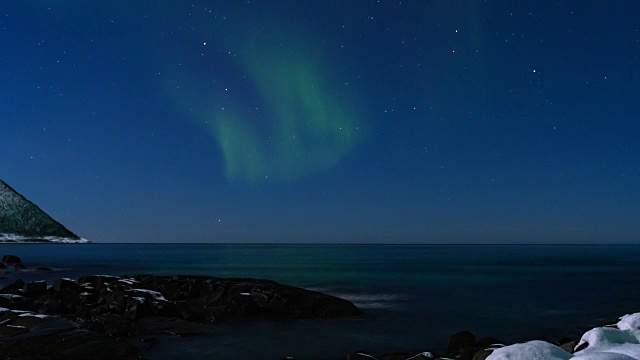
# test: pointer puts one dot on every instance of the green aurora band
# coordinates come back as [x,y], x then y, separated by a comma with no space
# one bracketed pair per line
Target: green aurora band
[305,126]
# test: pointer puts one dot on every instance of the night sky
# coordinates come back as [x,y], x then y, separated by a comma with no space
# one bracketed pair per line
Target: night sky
[325,121]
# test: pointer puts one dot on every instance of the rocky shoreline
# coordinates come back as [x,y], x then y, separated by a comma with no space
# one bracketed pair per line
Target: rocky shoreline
[93,316]
[97,316]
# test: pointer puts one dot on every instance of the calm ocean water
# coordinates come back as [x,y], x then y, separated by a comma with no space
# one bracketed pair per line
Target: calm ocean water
[414,296]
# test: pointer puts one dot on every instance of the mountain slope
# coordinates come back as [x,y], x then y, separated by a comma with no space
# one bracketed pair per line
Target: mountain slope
[23,221]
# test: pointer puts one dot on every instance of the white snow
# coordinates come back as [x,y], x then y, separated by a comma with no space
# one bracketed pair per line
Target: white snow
[154,294]
[16,326]
[604,343]
[53,239]
[39,316]
[606,336]
[128,281]
[422,355]
[629,322]
[539,350]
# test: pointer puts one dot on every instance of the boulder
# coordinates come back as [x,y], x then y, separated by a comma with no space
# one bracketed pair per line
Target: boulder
[397,356]
[19,266]
[138,308]
[482,354]
[68,284]
[12,330]
[467,353]
[17,285]
[569,346]
[35,288]
[460,341]
[486,342]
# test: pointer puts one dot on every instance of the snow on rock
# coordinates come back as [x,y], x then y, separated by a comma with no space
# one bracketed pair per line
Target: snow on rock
[623,343]
[604,343]
[605,337]
[629,322]
[154,294]
[596,355]
[538,350]
[14,238]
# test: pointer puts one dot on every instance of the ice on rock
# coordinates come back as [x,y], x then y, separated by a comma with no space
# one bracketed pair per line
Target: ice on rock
[538,350]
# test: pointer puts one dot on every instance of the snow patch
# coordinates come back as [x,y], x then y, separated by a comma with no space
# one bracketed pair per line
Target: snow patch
[154,294]
[39,316]
[539,350]
[12,238]
[629,322]
[604,343]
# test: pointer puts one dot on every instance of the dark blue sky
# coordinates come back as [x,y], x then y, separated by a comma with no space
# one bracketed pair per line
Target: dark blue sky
[325,121]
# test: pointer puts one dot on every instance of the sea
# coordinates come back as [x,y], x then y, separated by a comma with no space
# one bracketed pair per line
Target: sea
[413,296]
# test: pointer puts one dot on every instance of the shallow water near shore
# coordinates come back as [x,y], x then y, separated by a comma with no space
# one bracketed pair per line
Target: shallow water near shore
[414,296]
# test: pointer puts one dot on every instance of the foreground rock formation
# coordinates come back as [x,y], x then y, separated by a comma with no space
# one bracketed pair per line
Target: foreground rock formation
[90,314]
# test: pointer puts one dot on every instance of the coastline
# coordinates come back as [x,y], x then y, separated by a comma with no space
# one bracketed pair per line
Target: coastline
[23,239]
[387,341]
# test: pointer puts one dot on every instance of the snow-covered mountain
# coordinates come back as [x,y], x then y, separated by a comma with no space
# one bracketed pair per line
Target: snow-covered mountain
[23,221]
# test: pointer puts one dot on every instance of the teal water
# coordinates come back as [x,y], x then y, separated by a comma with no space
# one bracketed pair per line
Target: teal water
[414,296]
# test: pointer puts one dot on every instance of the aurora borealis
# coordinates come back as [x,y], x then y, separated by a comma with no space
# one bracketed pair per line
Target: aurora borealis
[309,121]
[299,123]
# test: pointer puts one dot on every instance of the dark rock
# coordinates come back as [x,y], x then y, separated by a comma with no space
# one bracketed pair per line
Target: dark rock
[3,266]
[15,302]
[482,354]
[229,299]
[17,285]
[171,326]
[397,356]
[466,353]
[67,296]
[35,288]
[36,337]
[12,330]
[143,305]
[64,283]
[53,306]
[11,259]
[30,321]
[569,346]
[582,347]
[138,308]
[19,266]
[118,327]
[460,341]
[485,342]
[422,356]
